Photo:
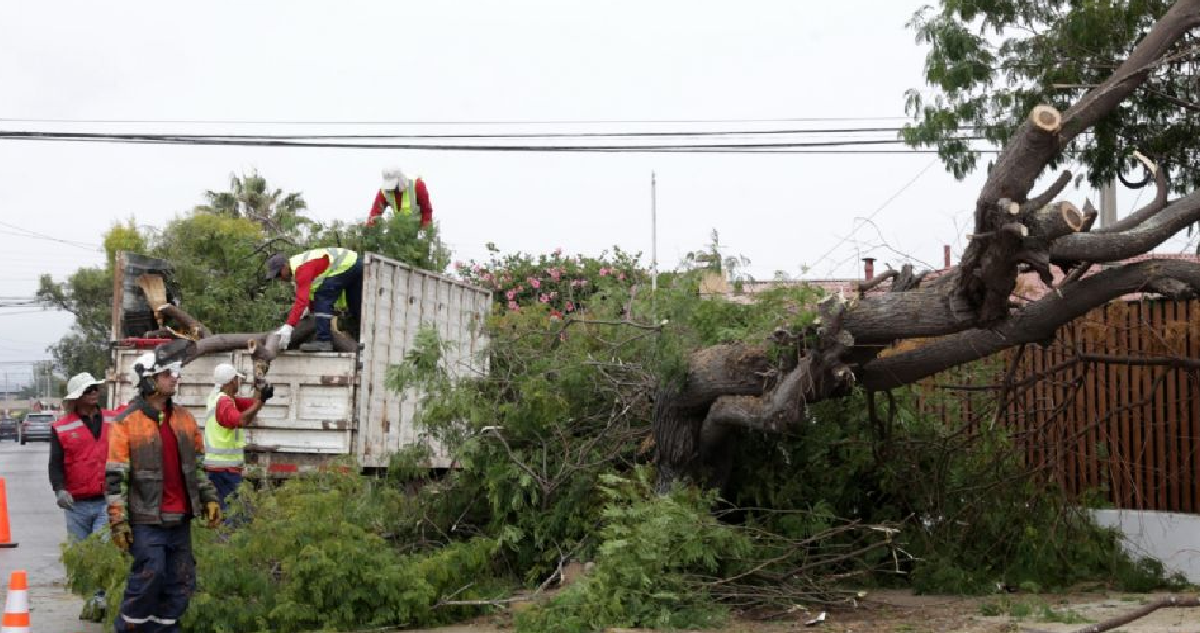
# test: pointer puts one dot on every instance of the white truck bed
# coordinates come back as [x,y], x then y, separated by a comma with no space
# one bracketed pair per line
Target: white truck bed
[329,404]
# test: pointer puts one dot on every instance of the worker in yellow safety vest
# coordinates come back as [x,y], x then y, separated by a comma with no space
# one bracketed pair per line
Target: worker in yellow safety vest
[224,429]
[406,196]
[324,277]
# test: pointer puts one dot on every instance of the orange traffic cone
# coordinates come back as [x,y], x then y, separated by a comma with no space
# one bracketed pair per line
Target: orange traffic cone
[5,534]
[16,607]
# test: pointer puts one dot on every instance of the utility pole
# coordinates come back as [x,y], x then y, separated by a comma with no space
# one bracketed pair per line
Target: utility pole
[653,232]
[1108,204]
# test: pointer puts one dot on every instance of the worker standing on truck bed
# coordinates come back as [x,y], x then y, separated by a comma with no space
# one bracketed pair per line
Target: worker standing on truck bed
[326,277]
[404,195]
[224,435]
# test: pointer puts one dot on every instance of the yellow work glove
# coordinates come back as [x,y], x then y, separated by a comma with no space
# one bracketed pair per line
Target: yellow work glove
[212,513]
[122,536]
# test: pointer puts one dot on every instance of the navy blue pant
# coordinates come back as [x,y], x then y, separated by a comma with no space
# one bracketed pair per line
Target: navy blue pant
[226,484]
[331,289]
[161,580]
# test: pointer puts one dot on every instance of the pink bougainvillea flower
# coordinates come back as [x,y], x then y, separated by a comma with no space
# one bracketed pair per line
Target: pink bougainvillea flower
[544,298]
[512,305]
[459,265]
[570,306]
[558,251]
[621,276]
[511,294]
[535,282]
[603,272]
[475,268]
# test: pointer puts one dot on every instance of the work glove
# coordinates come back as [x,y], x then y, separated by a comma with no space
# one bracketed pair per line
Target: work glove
[122,536]
[285,336]
[212,514]
[65,500]
[266,393]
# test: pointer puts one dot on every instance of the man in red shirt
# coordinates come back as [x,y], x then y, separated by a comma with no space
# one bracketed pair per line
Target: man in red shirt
[155,484]
[326,277]
[401,193]
[224,435]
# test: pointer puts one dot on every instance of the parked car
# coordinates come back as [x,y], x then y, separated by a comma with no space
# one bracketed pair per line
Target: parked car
[37,426]
[9,428]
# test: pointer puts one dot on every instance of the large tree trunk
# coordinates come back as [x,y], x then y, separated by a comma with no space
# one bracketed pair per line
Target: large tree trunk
[970,310]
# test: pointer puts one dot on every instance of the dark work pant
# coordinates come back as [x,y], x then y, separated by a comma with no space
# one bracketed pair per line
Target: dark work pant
[161,580]
[226,484]
[322,305]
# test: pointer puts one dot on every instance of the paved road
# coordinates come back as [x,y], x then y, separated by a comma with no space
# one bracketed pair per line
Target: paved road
[39,527]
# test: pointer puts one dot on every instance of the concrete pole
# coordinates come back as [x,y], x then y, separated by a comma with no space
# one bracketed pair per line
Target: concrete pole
[1108,204]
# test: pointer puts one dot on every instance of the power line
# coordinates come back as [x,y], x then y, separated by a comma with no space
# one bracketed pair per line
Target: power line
[24,232]
[451,123]
[875,213]
[285,141]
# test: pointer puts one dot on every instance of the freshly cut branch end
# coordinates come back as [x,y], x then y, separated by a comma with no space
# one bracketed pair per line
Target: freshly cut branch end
[1046,118]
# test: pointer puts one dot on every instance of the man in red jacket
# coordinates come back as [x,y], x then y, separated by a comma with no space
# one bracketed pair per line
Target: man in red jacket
[404,195]
[78,451]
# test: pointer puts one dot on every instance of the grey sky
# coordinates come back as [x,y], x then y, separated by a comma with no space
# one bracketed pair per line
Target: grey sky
[469,61]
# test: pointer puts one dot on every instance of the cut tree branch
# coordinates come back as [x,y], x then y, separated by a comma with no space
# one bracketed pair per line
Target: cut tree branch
[1037,322]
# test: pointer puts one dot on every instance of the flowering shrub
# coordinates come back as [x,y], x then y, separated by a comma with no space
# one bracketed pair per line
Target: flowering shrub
[562,284]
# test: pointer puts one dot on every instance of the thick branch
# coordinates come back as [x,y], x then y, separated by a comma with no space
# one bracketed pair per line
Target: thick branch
[192,327]
[1142,238]
[1037,322]
[1170,601]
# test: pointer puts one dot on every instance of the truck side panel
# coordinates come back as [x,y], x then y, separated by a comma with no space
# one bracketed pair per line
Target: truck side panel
[397,301]
[311,413]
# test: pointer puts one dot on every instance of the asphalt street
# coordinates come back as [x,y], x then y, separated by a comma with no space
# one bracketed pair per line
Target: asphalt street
[39,528]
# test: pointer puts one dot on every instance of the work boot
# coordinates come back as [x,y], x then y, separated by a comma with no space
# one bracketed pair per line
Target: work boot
[317,346]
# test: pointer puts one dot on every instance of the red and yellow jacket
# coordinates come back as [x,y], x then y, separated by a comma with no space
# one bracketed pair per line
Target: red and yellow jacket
[133,474]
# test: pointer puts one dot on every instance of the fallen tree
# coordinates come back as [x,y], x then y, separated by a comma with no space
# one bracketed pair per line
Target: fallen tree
[970,309]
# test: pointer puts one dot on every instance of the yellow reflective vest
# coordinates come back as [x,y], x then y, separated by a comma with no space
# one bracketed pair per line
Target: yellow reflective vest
[223,447]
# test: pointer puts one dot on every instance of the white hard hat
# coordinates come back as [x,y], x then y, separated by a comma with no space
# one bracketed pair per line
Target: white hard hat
[225,372]
[149,368]
[78,384]
[393,178]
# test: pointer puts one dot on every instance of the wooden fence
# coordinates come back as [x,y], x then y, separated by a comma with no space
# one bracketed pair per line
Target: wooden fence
[1112,406]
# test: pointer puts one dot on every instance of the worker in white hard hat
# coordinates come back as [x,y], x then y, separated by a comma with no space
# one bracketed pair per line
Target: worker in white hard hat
[155,485]
[78,451]
[406,196]
[224,429]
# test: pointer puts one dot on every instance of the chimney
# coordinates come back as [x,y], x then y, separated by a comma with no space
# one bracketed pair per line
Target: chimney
[868,268]
[945,256]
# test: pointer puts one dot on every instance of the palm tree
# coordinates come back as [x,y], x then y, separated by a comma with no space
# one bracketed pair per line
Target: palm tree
[250,197]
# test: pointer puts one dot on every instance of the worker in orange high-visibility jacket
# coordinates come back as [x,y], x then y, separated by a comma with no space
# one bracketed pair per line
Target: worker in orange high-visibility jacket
[406,196]
[78,451]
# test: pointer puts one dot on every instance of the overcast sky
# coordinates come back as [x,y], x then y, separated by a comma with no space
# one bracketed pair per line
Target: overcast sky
[527,61]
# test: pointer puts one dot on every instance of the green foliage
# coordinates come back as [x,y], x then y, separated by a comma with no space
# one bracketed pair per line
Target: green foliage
[653,552]
[250,197]
[991,62]
[974,516]
[318,553]
[87,294]
[401,238]
[123,237]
